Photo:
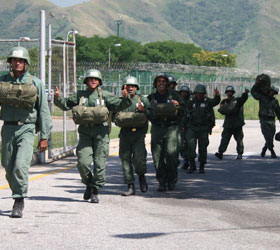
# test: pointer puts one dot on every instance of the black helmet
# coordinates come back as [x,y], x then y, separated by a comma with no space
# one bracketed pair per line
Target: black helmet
[171,79]
[161,75]
[230,88]
[264,78]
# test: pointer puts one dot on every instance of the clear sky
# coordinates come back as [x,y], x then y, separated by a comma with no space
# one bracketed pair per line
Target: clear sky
[67,3]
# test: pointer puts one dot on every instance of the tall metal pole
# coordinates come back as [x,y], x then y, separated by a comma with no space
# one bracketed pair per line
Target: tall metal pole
[43,47]
[258,56]
[42,59]
[49,81]
[64,95]
[109,58]
[75,72]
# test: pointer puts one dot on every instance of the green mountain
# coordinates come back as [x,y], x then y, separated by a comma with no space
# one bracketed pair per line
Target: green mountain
[245,28]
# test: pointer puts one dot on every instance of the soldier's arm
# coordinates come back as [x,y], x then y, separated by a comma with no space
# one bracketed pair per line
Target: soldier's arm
[214,101]
[276,109]
[242,99]
[67,103]
[256,93]
[115,103]
[44,117]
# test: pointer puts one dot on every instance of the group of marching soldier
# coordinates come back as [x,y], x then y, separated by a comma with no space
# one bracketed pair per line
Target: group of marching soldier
[179,120]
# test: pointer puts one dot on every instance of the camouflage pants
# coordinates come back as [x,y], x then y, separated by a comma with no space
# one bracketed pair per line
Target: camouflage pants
[132,152]
[164,146]
[226,136]
[198,135]
[268,131]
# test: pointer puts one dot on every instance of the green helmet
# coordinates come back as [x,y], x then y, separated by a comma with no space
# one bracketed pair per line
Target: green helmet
[171,79]
[160,75]
[274,88]
[19,52]
[184,88]
[230,88]
[94,73]
[131,80]
[200,88]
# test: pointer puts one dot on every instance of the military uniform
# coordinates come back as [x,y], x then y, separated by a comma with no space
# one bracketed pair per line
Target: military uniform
[18,130]
[132,149]
[268,109]
[18,134]
[182,129]
[164,140]
[233,123]
[93,143]
[198,121]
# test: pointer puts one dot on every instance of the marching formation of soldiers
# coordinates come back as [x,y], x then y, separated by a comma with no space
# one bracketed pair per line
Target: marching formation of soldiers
[179,121]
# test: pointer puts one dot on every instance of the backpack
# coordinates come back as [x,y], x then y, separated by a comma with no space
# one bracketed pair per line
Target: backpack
[90,115]
[130,119]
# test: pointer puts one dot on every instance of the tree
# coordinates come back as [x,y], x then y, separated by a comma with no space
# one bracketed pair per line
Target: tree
[218,58]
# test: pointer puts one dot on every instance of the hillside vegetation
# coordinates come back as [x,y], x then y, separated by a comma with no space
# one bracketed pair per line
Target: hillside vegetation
[245,28]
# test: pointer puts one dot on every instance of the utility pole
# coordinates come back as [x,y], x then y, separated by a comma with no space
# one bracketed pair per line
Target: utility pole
[259,57]
[118,22]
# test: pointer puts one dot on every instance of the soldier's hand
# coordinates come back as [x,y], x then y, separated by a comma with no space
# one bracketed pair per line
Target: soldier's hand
[56,93]
[175,102]
[216,91]
[141,107]
[43,145]
[124,92]
[247,90]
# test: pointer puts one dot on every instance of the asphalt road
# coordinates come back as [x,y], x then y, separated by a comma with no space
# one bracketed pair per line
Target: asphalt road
[235,205]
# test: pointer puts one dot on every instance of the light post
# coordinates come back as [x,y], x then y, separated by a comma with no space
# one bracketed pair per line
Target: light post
[259,58]
[23,39]
[109,54]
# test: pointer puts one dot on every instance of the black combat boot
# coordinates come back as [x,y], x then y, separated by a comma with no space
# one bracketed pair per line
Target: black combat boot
[192,167]
[219,155]
[273,155]
[18,208]
[185,166]
[239,157]
[143,183]
[171,185]
[201,168]
[87,193]
[94,196]
[263,151]
[162,187]
[130,190]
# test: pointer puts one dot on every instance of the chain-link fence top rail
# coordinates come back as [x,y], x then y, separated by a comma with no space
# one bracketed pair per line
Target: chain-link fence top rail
[212,77]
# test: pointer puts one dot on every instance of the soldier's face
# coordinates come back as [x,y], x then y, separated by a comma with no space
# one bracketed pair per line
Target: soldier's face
[18,64]
[184,93]
[161,83]
[229,94]
[171,86]
[93,83]
[131,89]
[199,96]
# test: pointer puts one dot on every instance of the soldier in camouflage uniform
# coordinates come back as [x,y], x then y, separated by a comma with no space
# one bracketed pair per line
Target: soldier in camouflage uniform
[268,109]
[19,127]
[185,93]
[199,120]
[93,143]
[164,132]
[132,150]
[172,83]
[232,109]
